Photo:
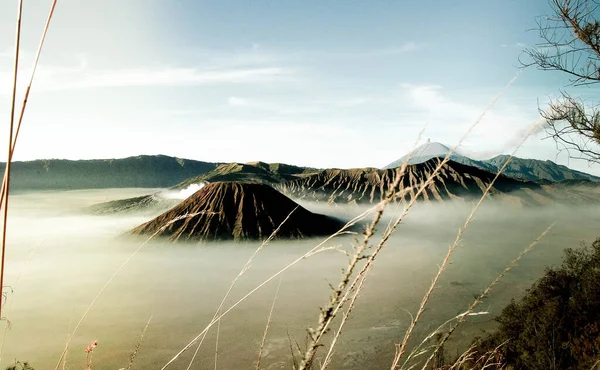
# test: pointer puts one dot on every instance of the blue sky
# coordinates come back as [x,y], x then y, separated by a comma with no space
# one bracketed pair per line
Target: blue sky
[318,83]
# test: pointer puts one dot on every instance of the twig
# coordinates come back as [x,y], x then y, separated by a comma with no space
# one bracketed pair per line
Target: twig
[89,308]
[265,282]
[217,343]
[7,316]
[10,137]
[13,142]
[339,298]
[137,346]
[345,317]
[479,299]
[451,249]
[264,338]
[245,268]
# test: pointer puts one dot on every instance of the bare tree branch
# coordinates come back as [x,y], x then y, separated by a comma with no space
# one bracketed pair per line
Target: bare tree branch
[571,44]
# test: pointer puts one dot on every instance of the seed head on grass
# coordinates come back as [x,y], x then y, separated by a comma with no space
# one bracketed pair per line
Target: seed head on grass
[89,351]
[18,365]
[137,346]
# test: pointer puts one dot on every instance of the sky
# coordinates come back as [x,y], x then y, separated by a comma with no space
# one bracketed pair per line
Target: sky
[322,83]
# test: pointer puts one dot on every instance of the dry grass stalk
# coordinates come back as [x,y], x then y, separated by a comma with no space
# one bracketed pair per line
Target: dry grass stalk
[341,293]
[12,139]
[64,360]
[89,352]
[264,337]
[9,157]
[10,303]
[217,343]
[379,210]
[338,333]
[339,298]
[13,142]
[469,359]
[462,317]
[245,268]
[138,344]
[402,347]
[423,347]
[319,247]
[294,363]
[89,308]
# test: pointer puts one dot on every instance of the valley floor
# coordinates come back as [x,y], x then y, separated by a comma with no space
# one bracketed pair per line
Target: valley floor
[60,256]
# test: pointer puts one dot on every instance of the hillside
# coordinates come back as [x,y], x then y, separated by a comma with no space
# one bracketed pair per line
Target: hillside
[255,172]
[536,170]
[145,171]
[259,172]
[455,181]
[237,211]
[151,203]
[368,185]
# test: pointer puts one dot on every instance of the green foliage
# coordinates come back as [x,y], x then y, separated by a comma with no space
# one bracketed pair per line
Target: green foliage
[556,325]
[20,366]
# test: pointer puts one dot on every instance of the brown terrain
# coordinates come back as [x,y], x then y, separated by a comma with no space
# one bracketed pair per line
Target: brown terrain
[237,211]
[150,202]
[454,181]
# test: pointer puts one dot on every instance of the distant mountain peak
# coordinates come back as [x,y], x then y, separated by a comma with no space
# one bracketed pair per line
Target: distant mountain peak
[431,148]
[423,153]
[518,168]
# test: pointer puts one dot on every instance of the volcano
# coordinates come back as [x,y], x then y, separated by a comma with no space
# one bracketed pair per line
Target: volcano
[238,211]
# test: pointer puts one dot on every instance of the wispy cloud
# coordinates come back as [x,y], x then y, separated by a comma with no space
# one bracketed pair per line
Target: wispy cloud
[238,102]
[58,78]
[401,49]
[519,45]
[276,107]
[449,117]
[389,51]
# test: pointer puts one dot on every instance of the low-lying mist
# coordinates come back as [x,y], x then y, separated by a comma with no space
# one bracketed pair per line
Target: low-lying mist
[59,257]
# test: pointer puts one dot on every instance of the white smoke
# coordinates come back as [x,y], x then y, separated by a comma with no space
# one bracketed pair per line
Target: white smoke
[184,193]
[518,138]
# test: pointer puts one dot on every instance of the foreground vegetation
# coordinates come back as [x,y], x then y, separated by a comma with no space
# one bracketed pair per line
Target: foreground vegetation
[556,325]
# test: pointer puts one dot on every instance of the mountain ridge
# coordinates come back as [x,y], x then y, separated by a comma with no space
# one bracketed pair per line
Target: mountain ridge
[519,168]
[143,171]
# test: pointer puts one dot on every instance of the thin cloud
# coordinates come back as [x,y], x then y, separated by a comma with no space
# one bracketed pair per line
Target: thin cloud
[404,48]
[267,106]
[449,116]
[519,45]
[81,77]
[238,102]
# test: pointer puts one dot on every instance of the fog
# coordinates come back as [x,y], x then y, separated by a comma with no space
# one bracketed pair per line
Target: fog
[59,257]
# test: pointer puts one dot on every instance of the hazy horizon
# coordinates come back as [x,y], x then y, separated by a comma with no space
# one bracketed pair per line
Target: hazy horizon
[589,170]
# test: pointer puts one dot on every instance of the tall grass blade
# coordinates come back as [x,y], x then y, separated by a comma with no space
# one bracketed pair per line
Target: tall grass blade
[10,138]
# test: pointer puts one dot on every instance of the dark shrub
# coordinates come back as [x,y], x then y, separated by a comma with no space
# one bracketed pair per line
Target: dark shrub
[556,325]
